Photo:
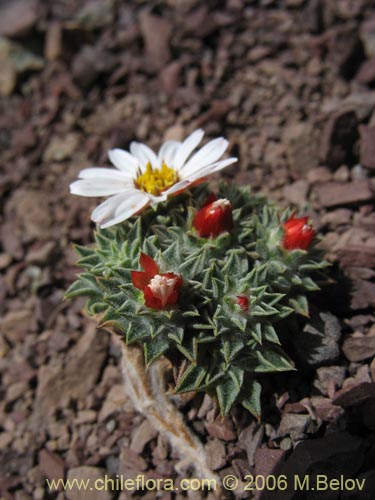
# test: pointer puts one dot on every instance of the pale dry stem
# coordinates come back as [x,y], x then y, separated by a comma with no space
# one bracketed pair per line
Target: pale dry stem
[146,388]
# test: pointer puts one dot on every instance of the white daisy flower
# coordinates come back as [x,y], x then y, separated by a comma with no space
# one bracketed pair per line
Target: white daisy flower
[142,178]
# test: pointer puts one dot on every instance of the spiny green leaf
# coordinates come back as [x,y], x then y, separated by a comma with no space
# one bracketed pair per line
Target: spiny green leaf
[154,348]
[251,401]
[300,305]
[228,389]
[86,285]
[191,379]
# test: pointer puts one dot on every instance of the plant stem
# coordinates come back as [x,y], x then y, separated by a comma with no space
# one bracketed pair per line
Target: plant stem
[146,388]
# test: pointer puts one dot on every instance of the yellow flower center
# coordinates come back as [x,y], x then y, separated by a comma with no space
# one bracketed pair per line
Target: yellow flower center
[156,180]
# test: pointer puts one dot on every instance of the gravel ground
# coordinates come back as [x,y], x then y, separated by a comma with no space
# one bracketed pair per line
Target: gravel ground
[291,84]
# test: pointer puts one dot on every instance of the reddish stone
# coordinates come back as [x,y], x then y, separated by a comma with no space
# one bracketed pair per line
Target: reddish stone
[366,73]
[359,348]
[268,461]
[51,465]
[367,146]
[357,256]
[335,194]
[354,394]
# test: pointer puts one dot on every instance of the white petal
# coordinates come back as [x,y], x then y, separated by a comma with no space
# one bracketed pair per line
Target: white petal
[178,187]
[187,147]
[107,207]
[209,169]
[144,154]
[168,151]
[119,208]
[210,153]
[123,160]
[98,187]
[104,173]
[157,199]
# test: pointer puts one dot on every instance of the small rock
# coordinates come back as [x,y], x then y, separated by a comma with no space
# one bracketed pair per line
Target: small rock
[296,193]
[318,175]
[175,133]
[250,439]
[85,417]
[16,324]
[367,33]
[142,435]
[359,320]
[93,15]
[295,425]
[41,253]
[20,59]
[24,138]
[366,73]
[15,391]
[160,452]
[206,406]
[335,194]
[216,454]
[114,402]
[363,295]
[362,375]
[129,459]
[54,46]
[349,9]
[258,53]
[156,32]
[325,409]
[301,146]
[4,346]
[356,256]
[89,474]
[268,461]
[362,103]
[38,493]
[372,370]
[52,465]
[335,218]
[90,62]
[342,174]
[222,428]
[5,260]
[359,348]
[367,146]
[170,76]
[32,211]
[354,394]
[17,17]
[339,136]
[5,439]
[61,148]
[58,383]
[8,78]
[329,378]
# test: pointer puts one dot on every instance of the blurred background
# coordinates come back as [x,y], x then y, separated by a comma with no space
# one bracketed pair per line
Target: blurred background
[291,84]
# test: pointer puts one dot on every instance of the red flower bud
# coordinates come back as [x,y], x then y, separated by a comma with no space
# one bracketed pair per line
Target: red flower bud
[214,218]
[297,233]
[159,290]
[243,302]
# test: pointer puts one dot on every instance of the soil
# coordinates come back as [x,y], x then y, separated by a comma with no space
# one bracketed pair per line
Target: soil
[291,84]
